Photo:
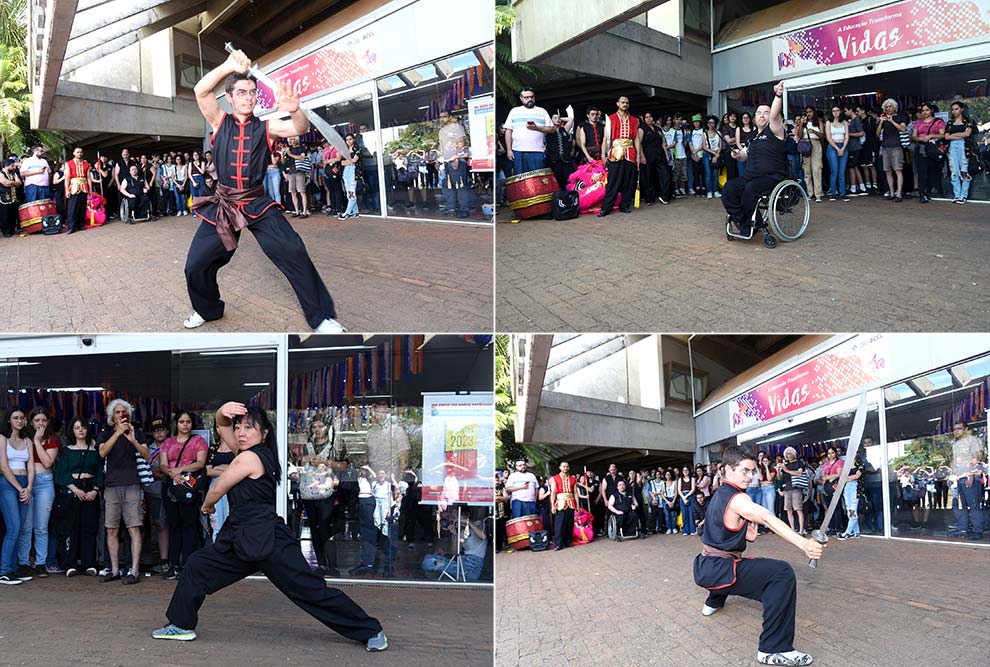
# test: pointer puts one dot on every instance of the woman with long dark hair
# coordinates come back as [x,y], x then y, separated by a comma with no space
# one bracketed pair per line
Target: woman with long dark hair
[44,451]
[685,491]
[79,475]
[181,456]
[15,491]
[255,537]
[959,129]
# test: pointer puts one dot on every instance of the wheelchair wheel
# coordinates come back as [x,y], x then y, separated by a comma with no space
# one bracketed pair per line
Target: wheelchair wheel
[612,528]
[788,211]
[125,210]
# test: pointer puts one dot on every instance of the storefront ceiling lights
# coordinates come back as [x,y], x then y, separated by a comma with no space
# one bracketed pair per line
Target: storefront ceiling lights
[71,389]
[780,436]
[20,363]
[257,384]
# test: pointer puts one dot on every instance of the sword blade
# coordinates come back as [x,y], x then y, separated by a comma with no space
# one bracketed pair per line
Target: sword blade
[855,437]
[315,120]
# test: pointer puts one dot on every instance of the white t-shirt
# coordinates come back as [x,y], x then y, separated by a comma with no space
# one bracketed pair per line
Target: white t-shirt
[527,495]
[673,138]
[32,163]
[523,138]
[697,139]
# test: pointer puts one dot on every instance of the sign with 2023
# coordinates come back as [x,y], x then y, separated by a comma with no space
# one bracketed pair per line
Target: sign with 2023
[904,26]
[854,364]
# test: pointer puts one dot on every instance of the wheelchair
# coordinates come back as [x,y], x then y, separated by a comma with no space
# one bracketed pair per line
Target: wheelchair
[614,533]
[782,213]
[125,212]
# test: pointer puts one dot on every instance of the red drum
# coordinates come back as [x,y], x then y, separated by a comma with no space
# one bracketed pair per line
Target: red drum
[31,214]
[530,195]
[518,530]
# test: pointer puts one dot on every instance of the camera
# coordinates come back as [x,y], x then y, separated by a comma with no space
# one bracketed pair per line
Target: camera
[87,342]
[869,68]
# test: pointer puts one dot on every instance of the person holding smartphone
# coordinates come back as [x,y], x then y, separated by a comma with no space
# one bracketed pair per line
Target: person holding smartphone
[889,132]
[522,487]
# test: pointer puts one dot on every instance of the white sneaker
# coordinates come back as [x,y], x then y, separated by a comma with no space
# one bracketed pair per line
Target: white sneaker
[193,321]
[330,326]
[708,611]
[709,195]
[790,658]
[718,195]
[690,191]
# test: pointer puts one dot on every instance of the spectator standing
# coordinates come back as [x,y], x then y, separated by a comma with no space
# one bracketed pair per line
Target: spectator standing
[927,131]
[45,451]
[889,131]
[837,134]
[958,133]
[37,175]
[813,132]
[685,491]
[183,459]
[525,128]
[79,476]
[10,180]
[15,492]
[522,487]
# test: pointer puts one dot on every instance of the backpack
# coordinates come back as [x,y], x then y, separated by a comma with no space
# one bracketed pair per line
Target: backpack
[566,205]
[51,224]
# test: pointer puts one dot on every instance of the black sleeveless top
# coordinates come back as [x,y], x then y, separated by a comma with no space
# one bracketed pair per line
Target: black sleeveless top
[222,458]
[766,155]
[594,134]
[622,502]
[652,142]
[261,490]
[714,532]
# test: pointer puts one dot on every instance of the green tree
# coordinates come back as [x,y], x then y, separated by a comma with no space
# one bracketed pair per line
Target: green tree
[925,451]
[509,76]
[13,24]
[416,136]
[507,449]
[15,100]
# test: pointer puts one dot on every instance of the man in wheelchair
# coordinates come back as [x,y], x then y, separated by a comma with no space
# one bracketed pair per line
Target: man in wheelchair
[622,509]
[765,155]
[134,190]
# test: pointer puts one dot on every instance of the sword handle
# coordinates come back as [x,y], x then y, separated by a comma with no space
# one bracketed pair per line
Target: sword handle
[821,538]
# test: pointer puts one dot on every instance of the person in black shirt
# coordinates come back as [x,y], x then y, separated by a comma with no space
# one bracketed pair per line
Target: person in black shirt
[654,176]
[254,537]
[589,137]
[766,163]
[9,180]
[623,505]
[560,150]
[135,188]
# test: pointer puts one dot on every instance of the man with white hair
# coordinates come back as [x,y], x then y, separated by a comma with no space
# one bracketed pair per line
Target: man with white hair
[889,131]
[765,155]
[120,445]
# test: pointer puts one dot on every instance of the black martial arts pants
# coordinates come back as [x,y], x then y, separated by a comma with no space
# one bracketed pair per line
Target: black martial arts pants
[563,527]
[562,171]
[771,582]
[210,570]
[318,517]
[627,523]
[75,211]
[621,180]
[654,179]
[280,243]
[739,197]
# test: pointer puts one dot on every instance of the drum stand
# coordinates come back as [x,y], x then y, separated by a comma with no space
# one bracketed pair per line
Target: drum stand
[457,560]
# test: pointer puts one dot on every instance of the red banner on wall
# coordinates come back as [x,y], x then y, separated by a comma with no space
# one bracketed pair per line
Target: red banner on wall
[346,60]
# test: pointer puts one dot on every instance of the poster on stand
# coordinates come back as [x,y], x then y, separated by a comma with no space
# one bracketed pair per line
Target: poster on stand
[458,448]
[481,113]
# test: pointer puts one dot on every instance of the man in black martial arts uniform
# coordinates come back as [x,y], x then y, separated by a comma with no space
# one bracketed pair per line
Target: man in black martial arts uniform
[242,144]
[255,538]
[731,520]
[766,163]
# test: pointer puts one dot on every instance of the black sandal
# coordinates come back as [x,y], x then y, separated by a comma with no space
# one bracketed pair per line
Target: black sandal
[113,576]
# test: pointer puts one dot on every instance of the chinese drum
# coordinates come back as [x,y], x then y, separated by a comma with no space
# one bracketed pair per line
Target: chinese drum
[517,530]
[30,215]
[530,195]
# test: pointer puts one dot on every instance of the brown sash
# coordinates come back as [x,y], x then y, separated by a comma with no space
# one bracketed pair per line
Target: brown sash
[230,216]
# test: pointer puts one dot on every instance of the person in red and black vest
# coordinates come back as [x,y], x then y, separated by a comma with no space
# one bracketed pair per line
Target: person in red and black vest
[562,506]
[242,144]
[590,136]
[624,150]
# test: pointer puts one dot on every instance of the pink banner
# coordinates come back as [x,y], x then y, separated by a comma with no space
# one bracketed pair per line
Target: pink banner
[848,367]
[342,62]
[904,26]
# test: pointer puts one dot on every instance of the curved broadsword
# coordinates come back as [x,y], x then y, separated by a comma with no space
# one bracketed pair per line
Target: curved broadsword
[852,448]
[315,120]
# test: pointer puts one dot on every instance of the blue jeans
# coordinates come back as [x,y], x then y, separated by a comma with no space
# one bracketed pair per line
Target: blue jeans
[522,508]
[14,515]
[690,173]
[768,497]
[273,185]
[837,169]
[741,166]
[36,521]
[852,505]
[670,516]
[527,161]
[875,494]
[957,165]
[472,565]
[36,192]
[457,188]
[180,201]
[196,187]
[970,510]
[711,173]
[797,169]
[754,494]
[687,515]
[350,183]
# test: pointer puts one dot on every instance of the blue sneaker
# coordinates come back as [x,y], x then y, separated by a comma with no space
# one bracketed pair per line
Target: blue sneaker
[174,632]
[378,643]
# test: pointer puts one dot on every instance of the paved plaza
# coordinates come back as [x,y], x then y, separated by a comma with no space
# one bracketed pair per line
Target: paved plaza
[384,275]
[79,621]
[870,603]
[865,265]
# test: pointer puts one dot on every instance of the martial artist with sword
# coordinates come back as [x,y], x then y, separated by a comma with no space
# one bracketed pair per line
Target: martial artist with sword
[731,521]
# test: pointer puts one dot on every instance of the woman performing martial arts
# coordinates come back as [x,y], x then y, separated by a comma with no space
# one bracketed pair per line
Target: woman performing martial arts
[242,144]
[255,538]
[731,520]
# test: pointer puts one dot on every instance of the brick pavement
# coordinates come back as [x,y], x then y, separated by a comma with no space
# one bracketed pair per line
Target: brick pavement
[866,265]
[871,602]
[384,274]
[59,621]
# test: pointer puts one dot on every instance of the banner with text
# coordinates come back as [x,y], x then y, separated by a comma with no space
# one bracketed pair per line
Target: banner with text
[904,26]
[344,61]
[481,111]
[848,367]
[459,448]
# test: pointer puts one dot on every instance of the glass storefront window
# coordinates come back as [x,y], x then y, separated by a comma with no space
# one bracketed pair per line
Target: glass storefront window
[430,168]
[360,494]
[937,453]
